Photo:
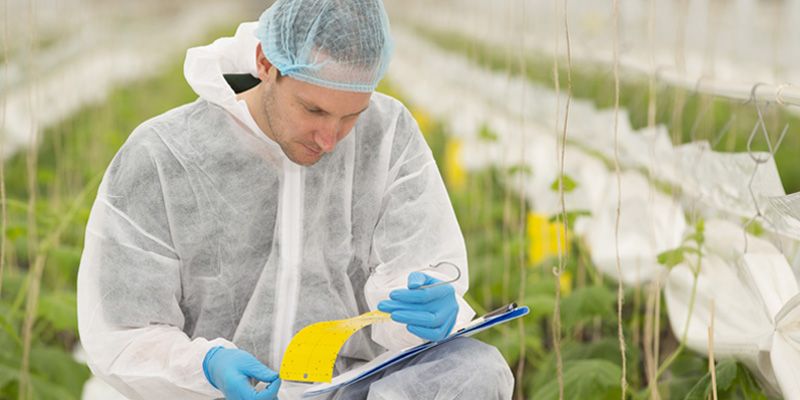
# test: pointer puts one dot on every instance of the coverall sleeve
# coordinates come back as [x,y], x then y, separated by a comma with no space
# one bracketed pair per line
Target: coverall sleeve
[417,227]
[129,286]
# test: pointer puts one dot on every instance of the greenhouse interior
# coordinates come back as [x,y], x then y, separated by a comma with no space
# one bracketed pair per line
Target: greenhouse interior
[611,209]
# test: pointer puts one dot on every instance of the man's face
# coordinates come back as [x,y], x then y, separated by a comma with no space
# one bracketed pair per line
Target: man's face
[307,120]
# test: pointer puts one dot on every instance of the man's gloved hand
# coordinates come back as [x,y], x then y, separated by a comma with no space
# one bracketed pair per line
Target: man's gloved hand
[430,313]
[230,370]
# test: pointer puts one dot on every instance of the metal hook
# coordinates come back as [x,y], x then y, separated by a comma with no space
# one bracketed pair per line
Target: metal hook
[751,138]
[760,122]
[758,161]
[780,139]
[779,93]
[432,266]
[753,93]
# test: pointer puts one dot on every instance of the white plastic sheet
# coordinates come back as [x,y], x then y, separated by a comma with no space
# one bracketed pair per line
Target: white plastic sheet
[650,223]
[783,214]
[755,300]
[588,173]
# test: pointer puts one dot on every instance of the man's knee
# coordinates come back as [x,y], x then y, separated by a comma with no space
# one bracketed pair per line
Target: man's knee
[460,369]
[478,357]
[478,368]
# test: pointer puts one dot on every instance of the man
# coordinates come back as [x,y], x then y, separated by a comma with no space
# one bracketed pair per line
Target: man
[224,226]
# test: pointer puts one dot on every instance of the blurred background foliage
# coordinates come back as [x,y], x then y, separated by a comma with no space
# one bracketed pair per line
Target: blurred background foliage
[512,252]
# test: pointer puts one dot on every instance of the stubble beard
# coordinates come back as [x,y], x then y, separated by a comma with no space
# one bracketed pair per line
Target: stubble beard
[269,105]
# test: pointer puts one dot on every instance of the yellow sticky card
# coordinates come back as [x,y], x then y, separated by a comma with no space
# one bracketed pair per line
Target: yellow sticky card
[312,351]
[545,239]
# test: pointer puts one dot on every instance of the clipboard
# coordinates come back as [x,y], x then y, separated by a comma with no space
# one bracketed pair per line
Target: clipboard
[385,360]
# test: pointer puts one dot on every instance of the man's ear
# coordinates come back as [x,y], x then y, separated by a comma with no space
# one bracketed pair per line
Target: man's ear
[263,66]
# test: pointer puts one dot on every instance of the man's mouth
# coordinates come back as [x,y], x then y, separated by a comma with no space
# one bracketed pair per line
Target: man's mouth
[312,151]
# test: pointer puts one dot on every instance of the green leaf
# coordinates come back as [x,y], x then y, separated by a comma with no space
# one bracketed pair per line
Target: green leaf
[10,355]
[671,258]
[754,228]
[13,232]
[585,379]
[572,216]
[45,176]
[55,367]
[606,348]
[569,184]
[486,133]
[508,341]
[684,373]
[696,237]
[44,389]
[586,303]
[749,385]
[726,374]
[520,169]
[7,374]
[541,305]
[60,309]
[68,257]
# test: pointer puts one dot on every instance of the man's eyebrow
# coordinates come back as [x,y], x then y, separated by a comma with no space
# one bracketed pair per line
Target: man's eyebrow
[309,104]
[356,113]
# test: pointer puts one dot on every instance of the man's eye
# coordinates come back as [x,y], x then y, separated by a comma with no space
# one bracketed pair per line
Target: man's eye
[314,110]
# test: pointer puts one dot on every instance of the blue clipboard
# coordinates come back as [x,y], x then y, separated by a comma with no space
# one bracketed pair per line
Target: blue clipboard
[390,358]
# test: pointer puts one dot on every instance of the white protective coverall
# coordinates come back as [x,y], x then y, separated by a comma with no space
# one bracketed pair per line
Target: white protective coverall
[204,233]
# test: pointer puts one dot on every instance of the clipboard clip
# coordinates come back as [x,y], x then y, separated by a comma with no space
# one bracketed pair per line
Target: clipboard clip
[502,310]
[491,314]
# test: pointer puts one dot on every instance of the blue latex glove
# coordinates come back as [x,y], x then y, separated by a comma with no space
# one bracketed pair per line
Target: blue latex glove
[429,313]
[230,371]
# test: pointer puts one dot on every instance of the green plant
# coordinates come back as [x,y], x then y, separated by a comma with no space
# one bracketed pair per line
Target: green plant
[47,204]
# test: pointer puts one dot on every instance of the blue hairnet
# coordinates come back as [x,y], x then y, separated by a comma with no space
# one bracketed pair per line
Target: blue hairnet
[339,44]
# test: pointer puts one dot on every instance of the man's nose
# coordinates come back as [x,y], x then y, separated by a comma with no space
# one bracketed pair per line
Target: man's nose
[327,136]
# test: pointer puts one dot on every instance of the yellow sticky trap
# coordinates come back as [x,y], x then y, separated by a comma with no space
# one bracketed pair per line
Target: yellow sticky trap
[455,175]
[423,121]
[312,351]
[545,239]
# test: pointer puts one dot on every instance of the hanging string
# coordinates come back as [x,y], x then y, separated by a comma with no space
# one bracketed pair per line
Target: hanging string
[711,363]
[521,223]
[651,333]
[35,267]
[507,263]
[560,148]
[3,210]
[620,293]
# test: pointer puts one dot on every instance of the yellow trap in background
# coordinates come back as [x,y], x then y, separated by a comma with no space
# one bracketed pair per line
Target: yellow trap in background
[312,351]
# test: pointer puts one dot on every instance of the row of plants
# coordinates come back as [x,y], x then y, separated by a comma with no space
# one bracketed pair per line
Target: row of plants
[49,190]
[48,196]
[689,115]
[512,256]
[513,252]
